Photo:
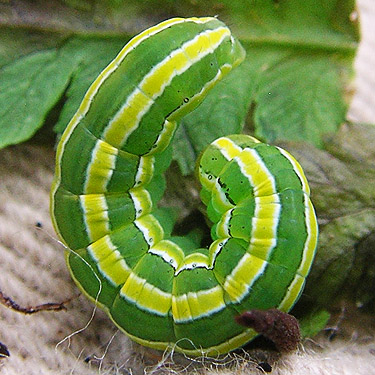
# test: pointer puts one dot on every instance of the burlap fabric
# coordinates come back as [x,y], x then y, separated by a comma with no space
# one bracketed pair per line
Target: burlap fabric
[82,340]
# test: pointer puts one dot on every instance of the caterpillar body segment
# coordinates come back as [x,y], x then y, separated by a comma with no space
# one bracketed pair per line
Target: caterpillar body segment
[158,288]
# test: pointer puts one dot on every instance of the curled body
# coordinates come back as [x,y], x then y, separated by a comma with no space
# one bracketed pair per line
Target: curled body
[159,288]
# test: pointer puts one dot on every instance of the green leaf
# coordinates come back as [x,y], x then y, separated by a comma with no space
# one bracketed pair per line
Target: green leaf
[15,43]
[92,55]
[300,98]
[309,24]
[30,87]
[295,77]
[313,323]
[222,113]
[342,181]
[225,109]
[299,61]
[33,84]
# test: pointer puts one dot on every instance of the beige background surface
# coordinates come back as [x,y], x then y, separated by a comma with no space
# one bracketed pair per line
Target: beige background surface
[33,271]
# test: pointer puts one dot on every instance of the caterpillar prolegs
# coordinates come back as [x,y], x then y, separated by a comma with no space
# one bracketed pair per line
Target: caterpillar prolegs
[159,288]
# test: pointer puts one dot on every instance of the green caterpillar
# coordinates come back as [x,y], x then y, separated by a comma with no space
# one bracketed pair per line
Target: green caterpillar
[158,288]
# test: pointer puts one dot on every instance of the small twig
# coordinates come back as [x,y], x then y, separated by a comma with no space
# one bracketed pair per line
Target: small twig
[52,306]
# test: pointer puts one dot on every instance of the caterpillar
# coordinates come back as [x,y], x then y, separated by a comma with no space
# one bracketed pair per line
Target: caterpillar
[158,288]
